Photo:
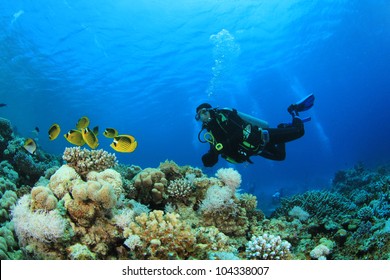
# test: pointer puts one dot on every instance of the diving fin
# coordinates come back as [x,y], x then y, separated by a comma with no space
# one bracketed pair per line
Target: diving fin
[302,105]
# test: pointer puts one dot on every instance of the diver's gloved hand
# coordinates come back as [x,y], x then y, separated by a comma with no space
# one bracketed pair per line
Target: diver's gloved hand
[209,159]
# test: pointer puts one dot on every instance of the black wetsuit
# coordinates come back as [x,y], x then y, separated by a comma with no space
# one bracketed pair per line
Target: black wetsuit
[227,128]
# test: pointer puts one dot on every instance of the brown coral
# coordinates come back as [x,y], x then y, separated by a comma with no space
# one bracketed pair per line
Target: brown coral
[150,184]
[162,236]
[171,170]
[231,220]
[108,176]
[85,161]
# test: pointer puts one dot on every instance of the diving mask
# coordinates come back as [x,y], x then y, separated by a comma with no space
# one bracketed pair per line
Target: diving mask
[201,112]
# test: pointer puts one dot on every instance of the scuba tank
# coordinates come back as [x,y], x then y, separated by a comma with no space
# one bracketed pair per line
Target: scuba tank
[252,120]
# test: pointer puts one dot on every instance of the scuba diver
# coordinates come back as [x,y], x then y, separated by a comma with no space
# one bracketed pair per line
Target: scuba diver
[237,136]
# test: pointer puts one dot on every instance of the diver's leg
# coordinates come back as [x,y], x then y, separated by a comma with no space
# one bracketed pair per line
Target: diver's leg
[287,132]
[274,152]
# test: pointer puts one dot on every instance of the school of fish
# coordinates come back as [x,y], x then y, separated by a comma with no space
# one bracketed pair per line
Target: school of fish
[82,134]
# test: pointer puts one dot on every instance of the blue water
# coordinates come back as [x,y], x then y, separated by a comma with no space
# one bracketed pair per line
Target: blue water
[143,66]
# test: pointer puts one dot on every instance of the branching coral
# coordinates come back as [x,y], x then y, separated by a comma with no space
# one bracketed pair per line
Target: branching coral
[179,189]
[84,161]
[268,247]
[318,204]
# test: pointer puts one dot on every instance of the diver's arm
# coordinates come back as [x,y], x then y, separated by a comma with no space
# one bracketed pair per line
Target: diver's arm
[210,158]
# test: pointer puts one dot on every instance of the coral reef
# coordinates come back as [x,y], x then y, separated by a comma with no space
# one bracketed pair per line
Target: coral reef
[16,161]
[92,208]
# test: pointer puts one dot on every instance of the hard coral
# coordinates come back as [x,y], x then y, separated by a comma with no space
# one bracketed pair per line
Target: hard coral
[268,247]
[179,189]
[162,236]
[171,170]
[84,161]
[6,134]
[150,184]
[108,176]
